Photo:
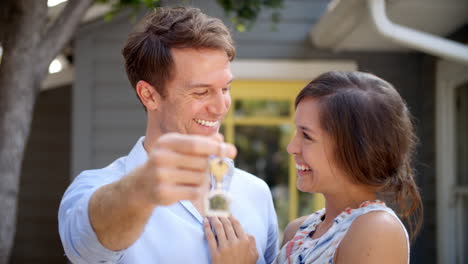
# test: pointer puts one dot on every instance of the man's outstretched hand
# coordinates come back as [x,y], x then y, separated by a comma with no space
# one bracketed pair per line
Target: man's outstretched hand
[177,167]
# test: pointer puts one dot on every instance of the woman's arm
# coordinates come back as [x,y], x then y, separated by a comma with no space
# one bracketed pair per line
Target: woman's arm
[375,237]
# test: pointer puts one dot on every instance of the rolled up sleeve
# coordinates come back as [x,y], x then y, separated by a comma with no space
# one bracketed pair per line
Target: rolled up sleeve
[79,240]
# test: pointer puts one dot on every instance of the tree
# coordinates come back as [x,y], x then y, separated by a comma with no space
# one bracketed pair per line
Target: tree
[30,41]
[29,44]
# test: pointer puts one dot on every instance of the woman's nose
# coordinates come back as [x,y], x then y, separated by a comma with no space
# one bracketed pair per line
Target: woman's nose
[293,148]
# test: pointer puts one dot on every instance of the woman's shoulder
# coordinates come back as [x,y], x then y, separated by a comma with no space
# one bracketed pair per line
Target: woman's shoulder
[292,228]
[378,220]
[376,236]
[302,223]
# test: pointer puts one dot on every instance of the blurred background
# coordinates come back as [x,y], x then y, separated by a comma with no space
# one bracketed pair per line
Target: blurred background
[87,115]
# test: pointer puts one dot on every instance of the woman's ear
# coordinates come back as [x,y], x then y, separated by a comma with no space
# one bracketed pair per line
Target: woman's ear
[148,95]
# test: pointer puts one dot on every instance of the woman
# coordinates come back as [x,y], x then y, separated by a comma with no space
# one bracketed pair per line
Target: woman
[354,142]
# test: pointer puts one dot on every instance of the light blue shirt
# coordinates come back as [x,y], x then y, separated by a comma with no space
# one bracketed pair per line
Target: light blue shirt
[173,234]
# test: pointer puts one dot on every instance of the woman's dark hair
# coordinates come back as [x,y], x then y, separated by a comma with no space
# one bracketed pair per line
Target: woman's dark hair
[373,133]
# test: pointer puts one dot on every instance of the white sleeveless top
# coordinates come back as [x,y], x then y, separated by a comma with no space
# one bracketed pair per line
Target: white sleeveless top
[302,249]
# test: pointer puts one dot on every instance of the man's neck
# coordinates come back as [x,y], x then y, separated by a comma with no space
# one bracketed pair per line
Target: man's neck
[150,141]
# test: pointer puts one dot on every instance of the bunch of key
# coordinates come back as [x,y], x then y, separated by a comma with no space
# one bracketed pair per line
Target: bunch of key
[218,201]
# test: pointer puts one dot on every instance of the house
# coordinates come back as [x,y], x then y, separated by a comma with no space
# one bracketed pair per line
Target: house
[313,36]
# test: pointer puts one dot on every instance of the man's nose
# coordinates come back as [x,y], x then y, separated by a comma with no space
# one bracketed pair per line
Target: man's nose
[219,104]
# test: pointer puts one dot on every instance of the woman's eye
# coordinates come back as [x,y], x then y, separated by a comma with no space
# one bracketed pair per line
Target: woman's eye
[307,136]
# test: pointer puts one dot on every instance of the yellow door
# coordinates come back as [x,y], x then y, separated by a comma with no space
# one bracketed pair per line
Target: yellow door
[261,123]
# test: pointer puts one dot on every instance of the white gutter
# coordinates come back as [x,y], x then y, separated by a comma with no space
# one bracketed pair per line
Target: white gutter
[341,18]
[418,40]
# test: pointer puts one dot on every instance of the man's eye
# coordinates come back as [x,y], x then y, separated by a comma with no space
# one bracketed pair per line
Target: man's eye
[200,93]
[226,89]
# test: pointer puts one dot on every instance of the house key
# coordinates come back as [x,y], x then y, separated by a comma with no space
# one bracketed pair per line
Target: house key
[218,201]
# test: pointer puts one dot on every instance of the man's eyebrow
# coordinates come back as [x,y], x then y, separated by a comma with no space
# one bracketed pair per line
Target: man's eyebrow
[205,85]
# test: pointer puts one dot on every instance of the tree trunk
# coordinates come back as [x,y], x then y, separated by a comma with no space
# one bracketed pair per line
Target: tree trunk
[16,107]
[18,91]
[29,45]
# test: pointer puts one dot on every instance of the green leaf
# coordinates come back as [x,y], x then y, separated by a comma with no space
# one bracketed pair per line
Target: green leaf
[240,27]
[242,13]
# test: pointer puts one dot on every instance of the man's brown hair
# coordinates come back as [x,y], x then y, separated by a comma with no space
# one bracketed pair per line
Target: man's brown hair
[373,136]
[147,52]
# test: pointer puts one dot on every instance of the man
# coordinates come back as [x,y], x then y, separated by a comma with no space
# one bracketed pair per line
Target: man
[147,207]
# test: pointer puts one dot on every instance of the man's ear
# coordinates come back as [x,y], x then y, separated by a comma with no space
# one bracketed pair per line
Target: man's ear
[148,95]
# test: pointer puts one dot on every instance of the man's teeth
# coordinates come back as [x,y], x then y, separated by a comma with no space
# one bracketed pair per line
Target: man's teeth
[206,123]
[302,167]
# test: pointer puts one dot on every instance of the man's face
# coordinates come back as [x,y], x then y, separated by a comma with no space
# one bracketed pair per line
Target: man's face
[197,98]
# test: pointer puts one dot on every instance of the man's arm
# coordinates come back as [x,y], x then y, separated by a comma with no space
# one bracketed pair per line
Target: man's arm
[176,170]
[118,211]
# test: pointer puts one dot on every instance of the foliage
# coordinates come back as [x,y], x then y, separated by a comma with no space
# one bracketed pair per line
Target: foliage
[136,5]
[242,13]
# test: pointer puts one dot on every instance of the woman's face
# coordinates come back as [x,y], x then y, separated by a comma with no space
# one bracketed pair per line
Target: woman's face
[313,151]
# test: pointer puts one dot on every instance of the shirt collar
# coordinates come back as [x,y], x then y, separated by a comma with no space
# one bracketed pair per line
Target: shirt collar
[136,157]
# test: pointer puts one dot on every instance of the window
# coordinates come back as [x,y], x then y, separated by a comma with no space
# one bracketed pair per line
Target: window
[261,123]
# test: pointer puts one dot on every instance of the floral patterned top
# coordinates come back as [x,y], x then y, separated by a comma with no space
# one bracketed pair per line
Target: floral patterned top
[302,249]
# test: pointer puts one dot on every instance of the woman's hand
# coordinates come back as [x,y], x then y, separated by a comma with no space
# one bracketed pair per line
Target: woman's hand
[233,245]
